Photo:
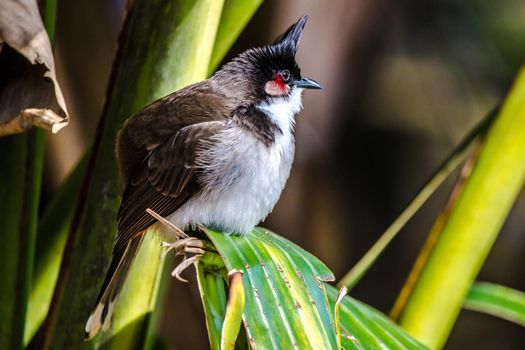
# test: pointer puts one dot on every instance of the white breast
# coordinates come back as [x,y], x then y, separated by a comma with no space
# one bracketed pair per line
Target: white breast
[247,176]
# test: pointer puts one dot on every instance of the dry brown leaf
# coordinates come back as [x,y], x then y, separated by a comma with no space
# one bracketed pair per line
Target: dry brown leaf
[29,91]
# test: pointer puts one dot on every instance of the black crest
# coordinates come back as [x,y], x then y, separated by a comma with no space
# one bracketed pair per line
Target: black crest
[248,72]
[289,40]
[280,54]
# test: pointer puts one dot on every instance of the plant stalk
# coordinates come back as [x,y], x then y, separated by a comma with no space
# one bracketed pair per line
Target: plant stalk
[458,155]
[472,227]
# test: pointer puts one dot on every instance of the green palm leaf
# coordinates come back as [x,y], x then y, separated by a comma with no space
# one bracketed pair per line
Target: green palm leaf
[363,327]
[288,305]
[497,300]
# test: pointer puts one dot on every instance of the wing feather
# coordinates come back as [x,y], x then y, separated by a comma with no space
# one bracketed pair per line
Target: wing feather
[166,179]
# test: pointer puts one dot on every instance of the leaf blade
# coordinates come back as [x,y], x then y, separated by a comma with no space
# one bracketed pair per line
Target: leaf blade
[235,15]
[498,301]
[234,311]
[144,70]
[472,225]
[286,306]
[212,288]
[367,328]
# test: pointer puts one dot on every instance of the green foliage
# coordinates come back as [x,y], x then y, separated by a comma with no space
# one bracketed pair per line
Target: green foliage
[191,41]
[363,327]
[177,50]
[457,156]
[21,161]
[285,302]
[234,311]
[51,240]
[497,300]
[211,274]
[135,305]
[21,157]
[288,303]
[235,15]
[282,295]
[472,225]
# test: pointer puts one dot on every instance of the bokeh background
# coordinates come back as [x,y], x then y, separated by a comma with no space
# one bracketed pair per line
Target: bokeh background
[403,82]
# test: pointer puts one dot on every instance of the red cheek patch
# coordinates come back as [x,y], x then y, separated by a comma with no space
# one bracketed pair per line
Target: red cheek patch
[276,87]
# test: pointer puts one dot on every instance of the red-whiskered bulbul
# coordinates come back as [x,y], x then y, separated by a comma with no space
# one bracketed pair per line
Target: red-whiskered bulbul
[216,153]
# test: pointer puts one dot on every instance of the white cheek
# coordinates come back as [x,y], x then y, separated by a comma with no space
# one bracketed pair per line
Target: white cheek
[273,88]
[282,110]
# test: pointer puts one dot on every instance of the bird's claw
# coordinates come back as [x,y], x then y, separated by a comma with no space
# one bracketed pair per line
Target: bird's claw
[183,266]
[190,245]
[182,246]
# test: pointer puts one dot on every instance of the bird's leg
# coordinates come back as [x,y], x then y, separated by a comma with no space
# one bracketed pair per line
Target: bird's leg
[178,232]
[182,246]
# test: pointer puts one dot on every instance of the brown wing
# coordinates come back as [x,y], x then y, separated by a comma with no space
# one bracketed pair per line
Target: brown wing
[164,180]
[157,122]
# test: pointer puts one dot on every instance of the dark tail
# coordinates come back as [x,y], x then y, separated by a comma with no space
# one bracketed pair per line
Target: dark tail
[121,262]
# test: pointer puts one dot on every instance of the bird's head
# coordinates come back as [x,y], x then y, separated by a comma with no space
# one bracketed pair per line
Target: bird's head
[269,73]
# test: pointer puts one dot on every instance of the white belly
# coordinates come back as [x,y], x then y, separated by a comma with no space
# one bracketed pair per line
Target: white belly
[246,177]
[246,180]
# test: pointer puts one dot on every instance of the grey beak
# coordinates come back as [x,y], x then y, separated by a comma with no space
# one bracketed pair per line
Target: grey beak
[306,83]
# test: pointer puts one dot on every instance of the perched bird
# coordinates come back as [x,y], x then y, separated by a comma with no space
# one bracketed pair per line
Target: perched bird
[216,153]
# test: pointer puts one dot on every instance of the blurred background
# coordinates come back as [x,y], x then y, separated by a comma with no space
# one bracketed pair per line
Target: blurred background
[403,82]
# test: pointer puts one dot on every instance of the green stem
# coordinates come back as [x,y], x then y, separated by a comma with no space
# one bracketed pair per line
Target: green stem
[51,240]
[235,16]
[57,219]
[432,237]
[472,226]
[196,35]
[22,159]
[212,288]
[497,300]
[234,310]
[165,45]
[459,154]
[17,222]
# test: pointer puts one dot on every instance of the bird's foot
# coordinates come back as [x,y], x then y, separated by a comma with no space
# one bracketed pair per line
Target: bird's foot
[182,246]
[187,262]
[190,245]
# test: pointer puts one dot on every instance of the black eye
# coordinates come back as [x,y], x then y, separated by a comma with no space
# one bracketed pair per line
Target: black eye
[285,74]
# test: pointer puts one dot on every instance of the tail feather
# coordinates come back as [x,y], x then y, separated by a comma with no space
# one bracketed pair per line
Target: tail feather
[121,262]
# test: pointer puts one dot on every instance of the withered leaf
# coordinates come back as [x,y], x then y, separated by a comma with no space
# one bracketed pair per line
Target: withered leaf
[29,92]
